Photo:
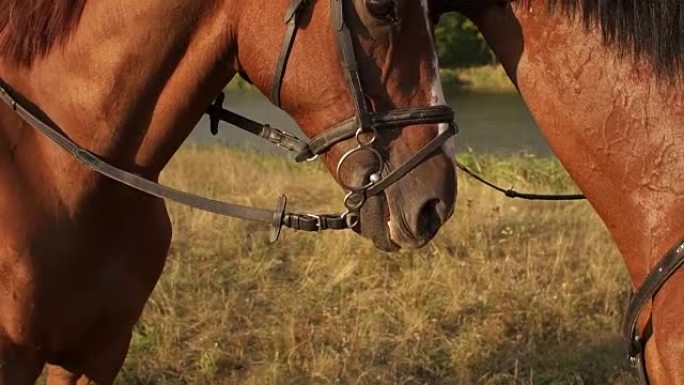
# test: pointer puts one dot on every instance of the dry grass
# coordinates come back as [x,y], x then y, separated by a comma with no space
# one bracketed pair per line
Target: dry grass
[509,293]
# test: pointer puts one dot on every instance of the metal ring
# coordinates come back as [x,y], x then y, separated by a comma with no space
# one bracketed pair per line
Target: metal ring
[346,156]
[352,219]
[361,131]
[351,204]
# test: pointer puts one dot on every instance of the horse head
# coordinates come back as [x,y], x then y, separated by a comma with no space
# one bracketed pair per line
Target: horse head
[391,41]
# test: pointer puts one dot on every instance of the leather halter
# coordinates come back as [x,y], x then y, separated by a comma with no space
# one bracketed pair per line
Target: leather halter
[363,122]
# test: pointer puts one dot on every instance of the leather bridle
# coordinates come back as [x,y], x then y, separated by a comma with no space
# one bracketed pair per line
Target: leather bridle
[363,127]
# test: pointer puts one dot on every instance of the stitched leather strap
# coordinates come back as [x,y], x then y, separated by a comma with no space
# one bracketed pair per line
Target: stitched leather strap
[292,22]
[380,120]
[654,281]
[410,164]
[328,138]
[350,65]
[667,266]
[276,218]
[281,138]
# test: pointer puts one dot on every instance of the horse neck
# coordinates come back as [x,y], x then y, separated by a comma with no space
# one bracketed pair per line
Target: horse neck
[614,126]
[133,78]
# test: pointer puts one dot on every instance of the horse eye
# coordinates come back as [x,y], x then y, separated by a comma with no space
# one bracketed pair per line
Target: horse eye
[382,9]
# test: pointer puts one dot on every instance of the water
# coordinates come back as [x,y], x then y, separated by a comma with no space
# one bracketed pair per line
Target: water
[489,123]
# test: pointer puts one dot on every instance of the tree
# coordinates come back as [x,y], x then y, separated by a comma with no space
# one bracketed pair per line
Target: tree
[460,44]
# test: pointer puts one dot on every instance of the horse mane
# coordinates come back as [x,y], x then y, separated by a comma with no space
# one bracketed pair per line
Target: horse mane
[653,29]
[30,28]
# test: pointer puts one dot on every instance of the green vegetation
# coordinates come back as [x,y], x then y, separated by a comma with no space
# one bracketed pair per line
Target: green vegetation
[460,44]
[510,292]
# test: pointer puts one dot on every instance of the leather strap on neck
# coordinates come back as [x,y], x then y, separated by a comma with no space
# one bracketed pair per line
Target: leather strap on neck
[668,265]
[275,218]
[292,21]
[350,65]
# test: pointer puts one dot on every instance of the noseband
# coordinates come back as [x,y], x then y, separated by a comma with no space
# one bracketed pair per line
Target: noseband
[364,127]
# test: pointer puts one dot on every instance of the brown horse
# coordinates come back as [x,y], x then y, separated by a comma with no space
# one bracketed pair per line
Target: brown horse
[605,82]
[127,80]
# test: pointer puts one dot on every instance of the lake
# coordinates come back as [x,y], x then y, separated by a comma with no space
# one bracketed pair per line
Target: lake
[489,123]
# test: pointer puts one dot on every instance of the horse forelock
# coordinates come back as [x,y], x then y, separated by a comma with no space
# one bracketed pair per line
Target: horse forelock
[30,28]
[650,29]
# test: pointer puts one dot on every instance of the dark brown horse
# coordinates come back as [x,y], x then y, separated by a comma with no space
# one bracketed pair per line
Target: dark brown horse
[127,80]
[605,82]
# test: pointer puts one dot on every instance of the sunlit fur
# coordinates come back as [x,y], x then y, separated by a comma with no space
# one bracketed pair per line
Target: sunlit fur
[652,29]
[646,29]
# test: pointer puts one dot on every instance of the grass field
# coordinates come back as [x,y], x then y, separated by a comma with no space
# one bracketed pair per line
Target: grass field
[509,293]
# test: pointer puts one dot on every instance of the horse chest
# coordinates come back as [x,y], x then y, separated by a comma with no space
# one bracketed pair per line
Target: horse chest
[62,276]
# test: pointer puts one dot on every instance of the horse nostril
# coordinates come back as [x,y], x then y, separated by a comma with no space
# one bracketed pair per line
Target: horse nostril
[431,217]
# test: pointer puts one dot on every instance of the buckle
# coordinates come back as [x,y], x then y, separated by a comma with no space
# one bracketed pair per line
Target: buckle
[318,219]
[281,138]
